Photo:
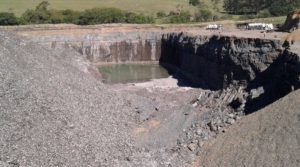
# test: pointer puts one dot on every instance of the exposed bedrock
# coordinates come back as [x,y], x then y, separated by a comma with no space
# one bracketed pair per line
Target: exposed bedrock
[110,47]
[261,69]
[264,69]
[219,61]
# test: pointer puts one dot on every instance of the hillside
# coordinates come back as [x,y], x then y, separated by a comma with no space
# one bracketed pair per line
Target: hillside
[141,6]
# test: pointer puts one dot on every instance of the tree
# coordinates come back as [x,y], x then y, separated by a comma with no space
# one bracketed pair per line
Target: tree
[39,15]
[182,17]
[138,18]
[161,14]
[100,16]
[8,19]
[204,15]
[194,2]
[233,6]
[70,16]
[43,6]
[36,17]
[280,8]
[276,7]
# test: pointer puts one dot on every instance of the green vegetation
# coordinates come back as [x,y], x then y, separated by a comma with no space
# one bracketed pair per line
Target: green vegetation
[42,15]
[147,7]
[205,15]
[161,14]
[138,18]
[279,8]
[194,2]
[275,7]
[8,19]
[157,11]
[101,15]
[182,17]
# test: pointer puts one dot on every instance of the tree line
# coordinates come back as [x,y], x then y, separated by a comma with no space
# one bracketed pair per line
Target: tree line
[274,7]
[246,8]
[42,15]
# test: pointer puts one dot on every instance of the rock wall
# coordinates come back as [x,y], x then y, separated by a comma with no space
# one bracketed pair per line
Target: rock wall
[219,61]
[212,62]
[110,47]
[263,68]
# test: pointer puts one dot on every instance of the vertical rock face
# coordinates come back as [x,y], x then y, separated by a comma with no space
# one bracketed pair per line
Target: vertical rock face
[113,47]
[219,61]
[262,67]
[122,51]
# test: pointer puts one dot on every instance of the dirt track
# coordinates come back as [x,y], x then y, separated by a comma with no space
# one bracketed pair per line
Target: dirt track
[61,29]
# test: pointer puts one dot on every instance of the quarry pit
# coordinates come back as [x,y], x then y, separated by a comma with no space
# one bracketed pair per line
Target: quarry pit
[214,79]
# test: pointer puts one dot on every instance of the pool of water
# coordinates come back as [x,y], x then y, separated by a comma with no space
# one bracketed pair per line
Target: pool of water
[129,73]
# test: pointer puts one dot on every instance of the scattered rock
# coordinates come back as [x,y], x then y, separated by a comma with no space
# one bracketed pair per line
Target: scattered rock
[128,159]
[199,132]
[200,143]
[195,104]
[192,146]
[14,163]
[212,127]
[230,121]
[254,93]
[231,115]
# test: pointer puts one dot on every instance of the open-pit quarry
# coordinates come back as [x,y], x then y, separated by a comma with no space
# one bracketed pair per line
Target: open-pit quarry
[229,98]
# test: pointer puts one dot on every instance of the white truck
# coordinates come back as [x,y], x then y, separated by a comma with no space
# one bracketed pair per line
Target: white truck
[260,26]
[214,27]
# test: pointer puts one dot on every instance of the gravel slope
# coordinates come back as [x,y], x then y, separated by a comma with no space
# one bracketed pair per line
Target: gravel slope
[53,114]
[270,138]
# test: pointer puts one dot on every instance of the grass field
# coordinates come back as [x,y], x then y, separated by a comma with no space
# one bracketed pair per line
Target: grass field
[274,20]
[148,7]
[142,6]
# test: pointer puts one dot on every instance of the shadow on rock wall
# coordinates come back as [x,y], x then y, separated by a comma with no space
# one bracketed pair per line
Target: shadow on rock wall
[262,67]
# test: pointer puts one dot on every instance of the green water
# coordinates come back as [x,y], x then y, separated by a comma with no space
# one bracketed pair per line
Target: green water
[129,73]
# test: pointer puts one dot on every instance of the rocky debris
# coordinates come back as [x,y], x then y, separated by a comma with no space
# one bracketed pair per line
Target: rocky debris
[230,121]
[255,93]
[53,114]
[193,146]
